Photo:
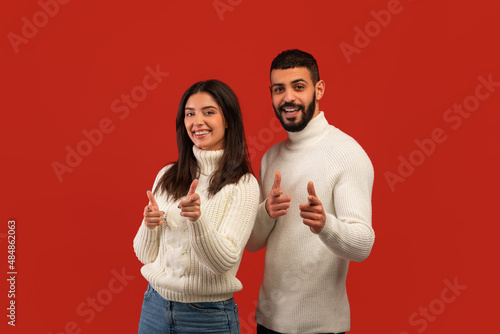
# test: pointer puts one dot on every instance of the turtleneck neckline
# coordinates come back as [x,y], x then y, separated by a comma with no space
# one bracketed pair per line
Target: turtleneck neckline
[310,134]
[207,160]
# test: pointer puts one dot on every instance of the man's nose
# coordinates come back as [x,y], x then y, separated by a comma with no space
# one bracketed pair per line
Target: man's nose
[289,96]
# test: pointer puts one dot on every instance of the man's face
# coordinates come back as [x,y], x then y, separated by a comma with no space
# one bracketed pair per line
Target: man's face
[294,97]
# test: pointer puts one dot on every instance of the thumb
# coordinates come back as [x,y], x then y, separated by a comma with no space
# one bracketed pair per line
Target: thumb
[310,189]
[277,180]
[192,188]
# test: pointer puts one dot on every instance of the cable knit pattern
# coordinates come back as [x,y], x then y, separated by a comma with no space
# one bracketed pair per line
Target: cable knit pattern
[303,290]
[197,261]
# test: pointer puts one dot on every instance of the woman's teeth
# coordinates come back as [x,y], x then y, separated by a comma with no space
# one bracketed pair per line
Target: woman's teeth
[201,133]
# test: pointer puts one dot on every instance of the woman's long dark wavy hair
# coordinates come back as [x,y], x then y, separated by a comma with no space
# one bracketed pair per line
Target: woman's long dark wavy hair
[235,161]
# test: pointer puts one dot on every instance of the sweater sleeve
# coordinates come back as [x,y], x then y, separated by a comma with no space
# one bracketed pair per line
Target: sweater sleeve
[349,233]
[264,224]
[147,241]
[219,245]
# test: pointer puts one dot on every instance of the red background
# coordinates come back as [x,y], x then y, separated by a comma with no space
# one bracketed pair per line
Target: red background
[438,225]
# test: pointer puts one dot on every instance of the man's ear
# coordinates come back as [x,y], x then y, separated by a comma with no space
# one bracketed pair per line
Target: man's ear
[320,89]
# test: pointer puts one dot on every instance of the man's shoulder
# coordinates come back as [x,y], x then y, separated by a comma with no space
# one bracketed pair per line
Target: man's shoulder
[339,145]
[335,138]
[270,156]
[273,150]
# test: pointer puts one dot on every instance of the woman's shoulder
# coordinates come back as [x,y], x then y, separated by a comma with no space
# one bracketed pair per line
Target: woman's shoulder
[161,173]
[163,170]
[247,188]
[247,181]
[249,178]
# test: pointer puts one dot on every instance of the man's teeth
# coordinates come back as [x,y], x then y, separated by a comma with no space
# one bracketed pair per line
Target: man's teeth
[291,109]
[201,133]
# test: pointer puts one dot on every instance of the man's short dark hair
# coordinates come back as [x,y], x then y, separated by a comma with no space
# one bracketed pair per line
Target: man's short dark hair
[296,58]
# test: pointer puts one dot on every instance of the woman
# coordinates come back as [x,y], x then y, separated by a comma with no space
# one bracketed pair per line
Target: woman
[199,219]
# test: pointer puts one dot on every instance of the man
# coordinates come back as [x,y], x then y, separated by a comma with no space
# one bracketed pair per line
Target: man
[316,216]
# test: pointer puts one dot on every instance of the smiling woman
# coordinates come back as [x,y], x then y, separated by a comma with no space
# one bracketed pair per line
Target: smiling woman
[199,219]
[204,122]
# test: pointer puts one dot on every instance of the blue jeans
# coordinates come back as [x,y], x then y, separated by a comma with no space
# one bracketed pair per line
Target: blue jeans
[167,317]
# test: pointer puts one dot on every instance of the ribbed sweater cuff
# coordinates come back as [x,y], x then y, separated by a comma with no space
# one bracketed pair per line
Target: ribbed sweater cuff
[264,217]
[147,234]
[145,243]
[210,247]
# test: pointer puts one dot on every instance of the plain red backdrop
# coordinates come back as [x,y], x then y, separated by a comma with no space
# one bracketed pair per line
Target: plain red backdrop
[67,67]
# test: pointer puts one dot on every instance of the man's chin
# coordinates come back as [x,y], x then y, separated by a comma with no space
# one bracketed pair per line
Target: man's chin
[294,127]
[292,124]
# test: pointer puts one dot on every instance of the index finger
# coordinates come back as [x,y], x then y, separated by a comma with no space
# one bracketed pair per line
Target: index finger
[277,180]
[310,189]
[151,198]
[192,188]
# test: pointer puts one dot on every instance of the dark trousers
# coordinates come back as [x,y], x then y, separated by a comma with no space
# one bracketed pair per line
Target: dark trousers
[263,330]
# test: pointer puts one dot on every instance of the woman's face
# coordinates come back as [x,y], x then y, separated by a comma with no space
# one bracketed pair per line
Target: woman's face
[204,122]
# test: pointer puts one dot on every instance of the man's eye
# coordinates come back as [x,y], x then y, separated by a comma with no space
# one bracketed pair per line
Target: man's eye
[299,87]
[278,90]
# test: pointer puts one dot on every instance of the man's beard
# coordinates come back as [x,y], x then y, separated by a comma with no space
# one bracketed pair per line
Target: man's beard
[307,115]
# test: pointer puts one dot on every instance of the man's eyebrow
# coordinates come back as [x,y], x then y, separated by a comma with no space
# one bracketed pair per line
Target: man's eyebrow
[293,82]
[299,80]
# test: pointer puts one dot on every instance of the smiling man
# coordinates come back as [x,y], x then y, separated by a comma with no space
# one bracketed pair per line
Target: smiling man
[294,97]
[315,216]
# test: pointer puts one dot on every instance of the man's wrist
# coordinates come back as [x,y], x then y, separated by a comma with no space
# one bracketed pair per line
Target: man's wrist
[267,211]
[265,206]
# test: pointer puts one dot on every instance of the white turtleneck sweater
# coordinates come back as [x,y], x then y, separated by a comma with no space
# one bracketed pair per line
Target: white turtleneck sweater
[197,261]
[303,289]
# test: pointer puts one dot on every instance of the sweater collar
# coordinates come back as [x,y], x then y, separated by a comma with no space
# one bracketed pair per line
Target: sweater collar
[310,134]
[208,161]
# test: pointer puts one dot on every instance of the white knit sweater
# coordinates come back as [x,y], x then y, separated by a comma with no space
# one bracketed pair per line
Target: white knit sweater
[197,261]
[303,289]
